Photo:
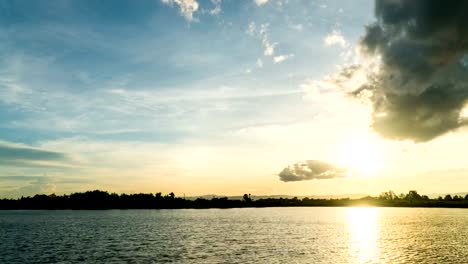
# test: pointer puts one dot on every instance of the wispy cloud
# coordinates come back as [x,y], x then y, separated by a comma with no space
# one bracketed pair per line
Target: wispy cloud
[261,32]
[18,155]
[217,7]
[268,46]
[259,63]
[281,58]
[20,178]
[260,2]
[40,179]
[251,29]
[334,38]
[9,152]
[187,7]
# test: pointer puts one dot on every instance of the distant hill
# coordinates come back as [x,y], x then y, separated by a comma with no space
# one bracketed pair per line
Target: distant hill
[276,196]
[436,195]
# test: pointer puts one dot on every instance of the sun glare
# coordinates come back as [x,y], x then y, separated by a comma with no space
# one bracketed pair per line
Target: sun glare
[360,155]
[464,112]
[363,227]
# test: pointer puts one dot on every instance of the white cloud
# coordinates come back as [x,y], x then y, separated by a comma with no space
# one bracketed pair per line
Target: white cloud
[251,29]
[259,63]
[281,58]
[217,7]
[331,93]
[262,33]
[260,2]
[187,7]
[334,38]
[269,48]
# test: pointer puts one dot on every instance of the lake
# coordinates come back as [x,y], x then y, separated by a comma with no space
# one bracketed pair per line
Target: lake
[248,235]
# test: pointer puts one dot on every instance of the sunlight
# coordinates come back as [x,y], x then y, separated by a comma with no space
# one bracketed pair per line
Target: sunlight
[360,155]
[464,112]
[363,227]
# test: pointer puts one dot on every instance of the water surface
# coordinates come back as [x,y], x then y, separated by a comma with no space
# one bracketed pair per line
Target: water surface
[249,235]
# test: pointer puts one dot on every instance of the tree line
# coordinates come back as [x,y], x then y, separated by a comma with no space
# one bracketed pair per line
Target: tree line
[104,200]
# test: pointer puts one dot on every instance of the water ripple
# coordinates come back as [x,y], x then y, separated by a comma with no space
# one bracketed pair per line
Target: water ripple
[262,235]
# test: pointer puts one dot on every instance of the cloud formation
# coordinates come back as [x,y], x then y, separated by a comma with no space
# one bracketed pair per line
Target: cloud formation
[268,47]
[262,33]
[259,63]
[11,154]
[217,7]
[311,169]
[260,2]
[421,87]
[334,38]
[187,7]
[281,58]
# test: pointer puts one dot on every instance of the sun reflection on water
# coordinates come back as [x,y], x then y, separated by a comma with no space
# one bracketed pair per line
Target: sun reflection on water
[363,228]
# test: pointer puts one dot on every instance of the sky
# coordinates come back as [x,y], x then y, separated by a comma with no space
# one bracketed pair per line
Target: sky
[229,97]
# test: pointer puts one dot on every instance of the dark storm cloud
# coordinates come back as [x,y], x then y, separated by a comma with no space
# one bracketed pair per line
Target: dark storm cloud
[309,170]
[423,83]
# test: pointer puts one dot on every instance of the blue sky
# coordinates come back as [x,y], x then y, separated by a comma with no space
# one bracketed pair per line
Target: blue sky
[150,95]
[73,58]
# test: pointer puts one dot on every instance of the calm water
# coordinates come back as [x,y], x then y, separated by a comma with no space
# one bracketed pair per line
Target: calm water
[253,235]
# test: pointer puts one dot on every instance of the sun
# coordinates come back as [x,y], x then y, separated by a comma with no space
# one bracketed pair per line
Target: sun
[361,155]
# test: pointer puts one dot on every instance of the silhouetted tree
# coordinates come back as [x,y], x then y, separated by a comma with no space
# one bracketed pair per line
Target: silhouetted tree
[390,195]
[103,200]
[246,198]
[413,195]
